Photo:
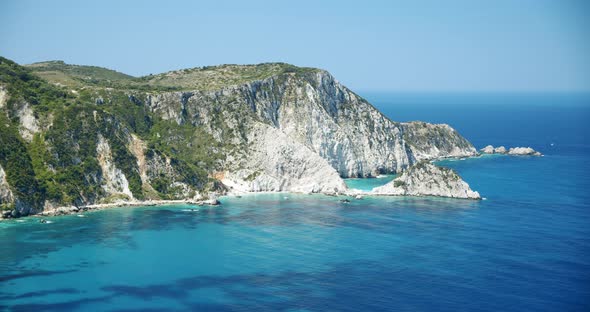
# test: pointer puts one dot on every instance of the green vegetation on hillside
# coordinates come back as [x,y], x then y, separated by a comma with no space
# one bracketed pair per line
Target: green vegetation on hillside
[17,164]
[217,77]
[60,163]
[22,84]
[200,78]
[79,76]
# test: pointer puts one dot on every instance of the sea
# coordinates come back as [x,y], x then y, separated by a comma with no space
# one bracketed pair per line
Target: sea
[525,247]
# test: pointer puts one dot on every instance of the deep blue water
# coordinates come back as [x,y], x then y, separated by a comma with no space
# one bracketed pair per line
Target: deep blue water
[526,247]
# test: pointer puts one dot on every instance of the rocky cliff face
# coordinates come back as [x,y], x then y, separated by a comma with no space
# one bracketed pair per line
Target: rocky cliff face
[115,182]
[275,127]
[275,162]
[426,179]
[318,112]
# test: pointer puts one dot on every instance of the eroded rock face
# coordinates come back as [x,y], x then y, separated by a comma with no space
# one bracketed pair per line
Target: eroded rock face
[322,115]
[29,125]
[426,179]
[278,163]
[113,180]
[431,141]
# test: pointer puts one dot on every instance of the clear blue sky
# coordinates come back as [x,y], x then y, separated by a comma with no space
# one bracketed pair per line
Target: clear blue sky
[462,45]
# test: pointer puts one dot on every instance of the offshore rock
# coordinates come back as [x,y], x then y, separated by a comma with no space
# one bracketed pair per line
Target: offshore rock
[518,151]
[500,150]
[487,150]
[523,151]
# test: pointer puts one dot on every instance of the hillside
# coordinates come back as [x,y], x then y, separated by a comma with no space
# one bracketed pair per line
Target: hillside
[60,73]
[199,78]
[88,135]
[217,77]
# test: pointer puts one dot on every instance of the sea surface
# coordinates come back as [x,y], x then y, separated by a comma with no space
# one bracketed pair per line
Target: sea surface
[526,247]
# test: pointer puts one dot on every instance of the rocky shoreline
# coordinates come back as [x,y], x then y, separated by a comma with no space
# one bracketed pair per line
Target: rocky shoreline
[70,210]
[412,182]
[457,192]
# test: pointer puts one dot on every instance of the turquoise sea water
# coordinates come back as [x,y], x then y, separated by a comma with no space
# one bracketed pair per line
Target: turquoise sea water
[368,184]
[526,247]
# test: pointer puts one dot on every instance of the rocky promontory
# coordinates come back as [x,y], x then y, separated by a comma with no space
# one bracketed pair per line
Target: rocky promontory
[426,179]
[515,151]
[95,136]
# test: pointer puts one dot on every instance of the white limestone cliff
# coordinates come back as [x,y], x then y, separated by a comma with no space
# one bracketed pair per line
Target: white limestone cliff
[319,113]
[278,163]
[28,122]
[296,131]
[113,180]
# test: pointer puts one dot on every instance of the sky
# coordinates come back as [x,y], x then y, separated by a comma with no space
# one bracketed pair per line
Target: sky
[402,46]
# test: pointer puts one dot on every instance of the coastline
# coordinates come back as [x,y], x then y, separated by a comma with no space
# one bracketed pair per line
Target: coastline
[354,193]
[70,210]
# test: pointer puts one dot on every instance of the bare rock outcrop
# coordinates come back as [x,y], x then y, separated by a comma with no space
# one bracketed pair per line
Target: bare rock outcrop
[515,151]
[426,179]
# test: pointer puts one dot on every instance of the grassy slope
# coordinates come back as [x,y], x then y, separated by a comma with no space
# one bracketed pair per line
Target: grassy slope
[76,75]
[217,77]
[200,78]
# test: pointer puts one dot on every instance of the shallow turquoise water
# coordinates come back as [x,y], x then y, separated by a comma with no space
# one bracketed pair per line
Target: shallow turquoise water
[526,247]
[368,184]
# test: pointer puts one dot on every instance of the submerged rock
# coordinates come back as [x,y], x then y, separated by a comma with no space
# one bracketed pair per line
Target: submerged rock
[426,179]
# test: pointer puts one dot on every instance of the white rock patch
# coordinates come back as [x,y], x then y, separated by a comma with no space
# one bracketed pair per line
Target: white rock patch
[113,179]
